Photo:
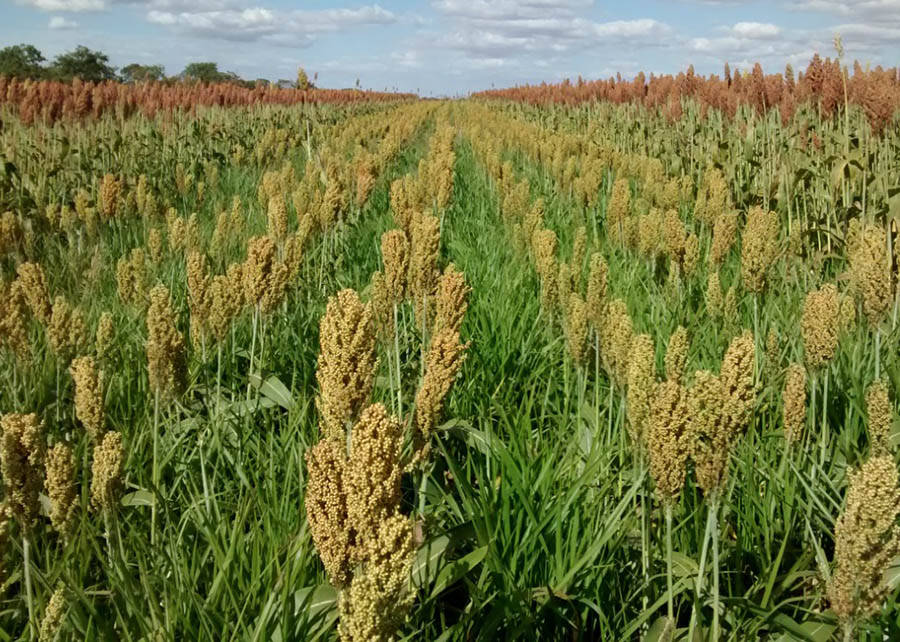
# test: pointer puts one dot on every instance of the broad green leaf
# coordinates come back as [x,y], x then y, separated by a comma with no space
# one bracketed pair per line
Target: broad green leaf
[138,498]
[451,573]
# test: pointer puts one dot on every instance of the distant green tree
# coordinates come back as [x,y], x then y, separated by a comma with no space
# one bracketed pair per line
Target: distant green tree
[83,63]
[21,61]
[302,79]
[143,73]
[203,72]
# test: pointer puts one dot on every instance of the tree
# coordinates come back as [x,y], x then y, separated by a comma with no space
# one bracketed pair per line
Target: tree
[81,62]
[143,73]
[302,79]
[203,72]
[21,61]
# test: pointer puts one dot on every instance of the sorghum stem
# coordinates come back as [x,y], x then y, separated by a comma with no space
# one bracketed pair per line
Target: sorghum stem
[155,472]
[671,606]
[26,555]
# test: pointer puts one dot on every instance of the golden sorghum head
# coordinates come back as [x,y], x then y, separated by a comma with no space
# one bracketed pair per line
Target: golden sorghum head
[424,250]
[451,299]
[715,305]
[221,236]
[820,321]
[615,341]
[277,218]
[649,239]
[67,330]
[374,605]
[674,236]
[866,541]
[258,268]
[442,363]
[759,248]
[224,306]
[382,307]
[165,346]
[365,177]
[676,354]
[724,234]
[34,287]
[61,488]
[133,277]
[773,352]
[106,335]
[155,244]
[395,254]
[737,377]
[22,450]
[641,389]
[13,315]
[106,472]
[617,212]
[54,614]
[235,275]
[372,477]
[277,287]
[346,366]
[10,233]
[579,249]
[710,440]
[575,326]
[794,397]
[870,268]
[668,439]
[109,196]
[691,254]
[293,255]
[88,396]
[198,283]
[326,508]
[595,297]
[881,417]
[731,306]
[544,247]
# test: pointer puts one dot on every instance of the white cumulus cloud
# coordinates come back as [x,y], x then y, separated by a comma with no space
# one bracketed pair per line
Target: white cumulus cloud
[59,23]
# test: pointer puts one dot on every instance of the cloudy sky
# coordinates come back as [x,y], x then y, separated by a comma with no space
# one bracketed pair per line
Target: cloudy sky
[451,47]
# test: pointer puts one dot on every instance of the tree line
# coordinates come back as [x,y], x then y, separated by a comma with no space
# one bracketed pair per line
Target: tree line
[27,62]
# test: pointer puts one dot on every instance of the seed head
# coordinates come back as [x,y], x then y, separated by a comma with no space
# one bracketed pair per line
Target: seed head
[615,341]
[133,278]
[442,363]
[224,306]
[575,325]
[423,271]
[773,352]
[820,322]
[13,316]
[22,450]
[691,254]
[106,335]
[372,477]
[155,245]
[34,287]
[870,268]
[724,234]
[109,196]
[544,248]
[579,249]
[715,305]
[106,472]
[641,389]
[346,367]
[395,253]
[61,488]
[866,541]
[676,355]
[451,300]
[54,615]
[10,233]
[794,397]
[326,508]
[731,306]
[88,396]
[165,347]
[674,236]
[617,212]
[759,248]
[668,439]
[277,218]
[258,268]
[881,417]
[595,299]
[67,330]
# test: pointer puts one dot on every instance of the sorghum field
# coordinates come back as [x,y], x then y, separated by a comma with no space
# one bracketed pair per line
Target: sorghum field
[613,360]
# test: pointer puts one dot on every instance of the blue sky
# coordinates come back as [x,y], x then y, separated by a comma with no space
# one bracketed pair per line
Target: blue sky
[449,47]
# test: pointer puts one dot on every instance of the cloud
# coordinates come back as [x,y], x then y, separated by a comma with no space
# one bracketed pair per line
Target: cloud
[60,23]
[73,6]
[756,30]
[861,10]
[296,28]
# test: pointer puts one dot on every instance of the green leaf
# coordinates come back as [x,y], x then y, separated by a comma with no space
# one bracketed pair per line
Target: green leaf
[138,498]
[273,388]
[427,560]
[658,629]
[452,573]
